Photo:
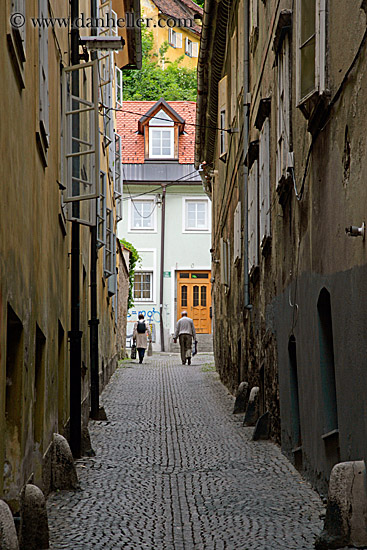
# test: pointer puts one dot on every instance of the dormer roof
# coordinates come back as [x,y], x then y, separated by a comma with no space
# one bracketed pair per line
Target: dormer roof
[155,109]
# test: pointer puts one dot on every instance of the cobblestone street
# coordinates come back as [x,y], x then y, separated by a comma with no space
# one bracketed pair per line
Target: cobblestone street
[175,469]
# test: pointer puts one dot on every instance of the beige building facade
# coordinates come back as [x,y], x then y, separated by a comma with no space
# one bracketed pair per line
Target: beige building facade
[38,183]
[286,177]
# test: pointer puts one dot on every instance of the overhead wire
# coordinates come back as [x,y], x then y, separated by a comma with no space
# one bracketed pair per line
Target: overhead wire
[229,130]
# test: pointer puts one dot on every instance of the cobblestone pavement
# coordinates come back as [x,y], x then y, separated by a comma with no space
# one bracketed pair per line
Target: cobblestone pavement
[176,470]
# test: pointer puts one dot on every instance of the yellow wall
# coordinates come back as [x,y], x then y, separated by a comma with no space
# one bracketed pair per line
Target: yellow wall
[35,265]
[149,9]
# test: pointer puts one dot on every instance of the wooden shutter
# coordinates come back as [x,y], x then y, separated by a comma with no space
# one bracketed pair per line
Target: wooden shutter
[264,181]
[253,237]
[237,233]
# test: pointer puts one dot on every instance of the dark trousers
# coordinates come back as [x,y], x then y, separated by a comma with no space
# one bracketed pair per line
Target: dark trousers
[141,352]
[185,345]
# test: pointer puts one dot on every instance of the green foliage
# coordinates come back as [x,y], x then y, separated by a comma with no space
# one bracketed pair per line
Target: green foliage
[174,83]
[134,260]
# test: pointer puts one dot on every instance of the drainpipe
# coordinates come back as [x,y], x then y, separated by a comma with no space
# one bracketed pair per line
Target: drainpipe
[75,334]
[94,321]
[246,113]
[163,227]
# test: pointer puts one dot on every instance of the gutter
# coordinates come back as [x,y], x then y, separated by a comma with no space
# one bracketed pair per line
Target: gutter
[201,72]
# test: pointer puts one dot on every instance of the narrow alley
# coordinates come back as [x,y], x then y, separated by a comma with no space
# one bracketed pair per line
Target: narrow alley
[175,469]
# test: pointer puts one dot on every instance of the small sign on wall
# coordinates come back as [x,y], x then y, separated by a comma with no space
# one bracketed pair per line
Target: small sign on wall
[167,274]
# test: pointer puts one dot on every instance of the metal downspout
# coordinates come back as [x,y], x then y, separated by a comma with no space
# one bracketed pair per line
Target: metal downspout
[163,228]
[94,321]
[246,112]
[75,334]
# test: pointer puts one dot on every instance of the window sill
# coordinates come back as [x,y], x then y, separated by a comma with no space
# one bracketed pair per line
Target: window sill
[254,274]
[199,231]
[62,222]
[330,435]
[266,246]
[159,159]
[283,189]
[17,55]
[254,38]
[42,143]
[313,108]
[142,230]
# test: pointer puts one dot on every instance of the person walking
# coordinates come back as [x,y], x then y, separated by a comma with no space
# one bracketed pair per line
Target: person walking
[185,332]
[140,335]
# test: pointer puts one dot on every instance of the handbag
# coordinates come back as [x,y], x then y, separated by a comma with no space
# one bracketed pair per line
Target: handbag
[133,351]
[194,348]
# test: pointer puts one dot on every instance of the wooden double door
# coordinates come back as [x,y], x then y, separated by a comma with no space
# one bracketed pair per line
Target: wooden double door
[194,296]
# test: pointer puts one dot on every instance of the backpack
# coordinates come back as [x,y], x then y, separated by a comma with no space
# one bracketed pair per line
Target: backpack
[141,328]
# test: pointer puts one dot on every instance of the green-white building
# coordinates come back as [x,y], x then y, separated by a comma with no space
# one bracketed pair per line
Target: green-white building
[166,216]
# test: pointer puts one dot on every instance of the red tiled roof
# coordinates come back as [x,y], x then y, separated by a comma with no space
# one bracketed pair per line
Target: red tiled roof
[180,9]
[132,143]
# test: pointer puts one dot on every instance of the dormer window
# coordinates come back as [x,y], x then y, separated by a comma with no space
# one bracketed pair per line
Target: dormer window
[161,136]
[161,127]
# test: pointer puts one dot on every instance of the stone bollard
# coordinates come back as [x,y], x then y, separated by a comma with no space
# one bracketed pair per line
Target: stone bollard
[241,398]
[253,408]
[33,519]
[63,471]
[346,511]
[8,533]
[262,428]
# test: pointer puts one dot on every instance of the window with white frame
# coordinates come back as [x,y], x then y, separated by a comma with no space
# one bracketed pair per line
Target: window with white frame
[264,181]
[117,178]
[191,48]
[161,143]
[174,38]
[237,233]
[118,87]
[161,136]
[143,286]
[108,251]
[196,215]
[43,76]
[283,110]
[253,217]
[101,213]
[142,212]
[311,39]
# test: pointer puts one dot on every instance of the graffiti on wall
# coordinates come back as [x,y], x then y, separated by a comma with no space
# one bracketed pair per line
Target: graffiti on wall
[153,317]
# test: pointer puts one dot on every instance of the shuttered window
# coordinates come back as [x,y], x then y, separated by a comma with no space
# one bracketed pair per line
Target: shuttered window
[237,233]
[253,217]
[264,180]
[311,52]
[283,111]
[43,76]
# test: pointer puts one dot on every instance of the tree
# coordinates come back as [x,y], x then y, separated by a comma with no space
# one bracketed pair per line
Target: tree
[174,82]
